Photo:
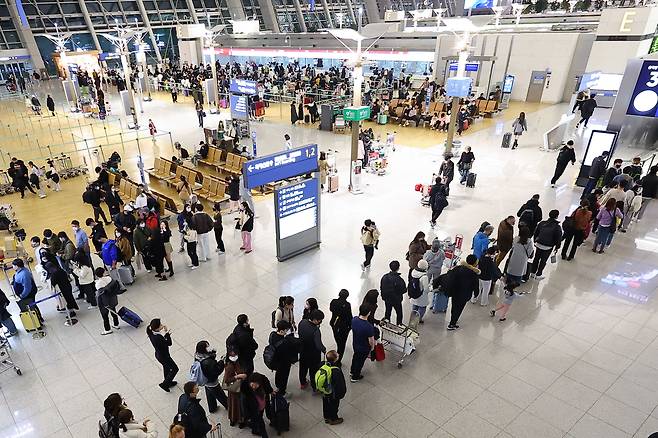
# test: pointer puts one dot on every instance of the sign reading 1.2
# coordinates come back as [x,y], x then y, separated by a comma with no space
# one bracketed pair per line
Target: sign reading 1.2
[282,165]
[644,101]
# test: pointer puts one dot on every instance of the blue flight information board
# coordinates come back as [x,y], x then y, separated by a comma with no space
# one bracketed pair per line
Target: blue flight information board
[279,166]
[239,107]
[644,101]
[243,86]
[470,66]
[297,207]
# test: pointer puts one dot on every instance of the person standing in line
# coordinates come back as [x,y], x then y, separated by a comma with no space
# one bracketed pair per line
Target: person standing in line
[612,172]
[285,311]
[434,258]
[596,171]
[419,280]
[489,273]
[463,283]
[341,321]
[370,239]
[363,342]
[417,248]
[522,251]
[189,404]
[247,228]
[83,271]
[97,231]
[50,104]
[25,288]
[242,341]
[81,239]
[285,354]
[111,256]
[312,348]
[129,428]
[141,239]
[530,213]
[156,253]
[649,190]
[234,375]
[518,127]
[203,225]
[393,288]
[107,290]
[566,155]
[165,232]
[465,164]
[547,238]
[256,392]
[607,217]
[587,109]
[218,228]
[575,228]
[5,316]
[481,241]
[337,387]
[508,298]
[211,370]
[160,338]
[505,238]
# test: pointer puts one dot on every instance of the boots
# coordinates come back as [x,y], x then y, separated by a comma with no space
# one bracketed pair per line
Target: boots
[170,265]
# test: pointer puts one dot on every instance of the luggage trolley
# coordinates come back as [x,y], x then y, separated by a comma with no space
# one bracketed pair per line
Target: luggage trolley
[453,251]
[5,184]
[6,363]
[401,338]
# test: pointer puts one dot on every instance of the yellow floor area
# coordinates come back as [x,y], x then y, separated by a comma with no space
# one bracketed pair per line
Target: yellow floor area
[89,141]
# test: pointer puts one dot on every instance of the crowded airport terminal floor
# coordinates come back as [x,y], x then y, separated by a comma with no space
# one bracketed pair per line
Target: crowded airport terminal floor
[485,268]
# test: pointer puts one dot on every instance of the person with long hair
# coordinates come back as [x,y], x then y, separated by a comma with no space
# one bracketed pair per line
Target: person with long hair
[579,221]
[129,428]
[310,305]
[176,430]
[522,251]
[165,232]
[417,248]
[184,189]
[247,228]
[607,217]
[341,320]
[234,375]
[370,299]
[370,240]
[113,404]
[160,337]
[256,391]
[518,127]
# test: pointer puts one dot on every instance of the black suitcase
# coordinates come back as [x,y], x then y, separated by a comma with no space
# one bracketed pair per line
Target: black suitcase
[470,180]
[307,118]
[280,414]
[507,139]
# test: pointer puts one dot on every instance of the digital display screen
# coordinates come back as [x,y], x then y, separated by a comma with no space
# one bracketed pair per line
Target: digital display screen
[508,84]
[599,142]
[478,4]
[297,207]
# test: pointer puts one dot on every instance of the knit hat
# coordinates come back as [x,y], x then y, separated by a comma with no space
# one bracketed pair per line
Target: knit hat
[422,265]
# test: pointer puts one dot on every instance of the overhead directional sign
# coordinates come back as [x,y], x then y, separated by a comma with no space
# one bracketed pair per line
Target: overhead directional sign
[243,86]
[279,166]
[356,113]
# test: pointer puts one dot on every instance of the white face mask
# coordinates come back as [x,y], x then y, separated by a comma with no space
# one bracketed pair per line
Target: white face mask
[233,358]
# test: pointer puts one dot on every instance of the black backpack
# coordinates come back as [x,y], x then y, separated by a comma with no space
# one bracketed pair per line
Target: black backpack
[212,368]
[269,354]
[527,216]
[232,343]
[49,262]
[274,316]
[413,289]
[183,419]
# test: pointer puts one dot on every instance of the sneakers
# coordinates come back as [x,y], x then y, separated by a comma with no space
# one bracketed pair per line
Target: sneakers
[116,327]
[106,332]
[164,386]
[355,379]
[492,313]
[553,186]
[92,307]
[194,267]
[539,277]
[453,327]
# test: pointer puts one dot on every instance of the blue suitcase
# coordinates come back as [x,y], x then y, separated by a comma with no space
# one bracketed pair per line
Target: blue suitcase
[130,317]
[439,302]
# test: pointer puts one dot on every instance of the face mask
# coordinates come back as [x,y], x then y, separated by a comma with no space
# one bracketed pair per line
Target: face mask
[188,209]
[61,239]
[233,358]
[118,235]
[75,229]
[142,225]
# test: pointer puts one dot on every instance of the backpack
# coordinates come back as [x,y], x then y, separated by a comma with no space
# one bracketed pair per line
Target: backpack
[323,379]
[274,316]
[413,289]
[196,374]
[183,419]
[87,196]
[231,342]
[105,429]
[527,216]
[269,354]
[212,368]
[49,262]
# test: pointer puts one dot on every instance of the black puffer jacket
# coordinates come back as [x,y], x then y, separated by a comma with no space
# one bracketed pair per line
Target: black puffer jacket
[462,282]
[392,287]
[548,233]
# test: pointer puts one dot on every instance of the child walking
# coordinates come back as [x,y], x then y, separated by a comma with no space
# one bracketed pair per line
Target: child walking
[508,298]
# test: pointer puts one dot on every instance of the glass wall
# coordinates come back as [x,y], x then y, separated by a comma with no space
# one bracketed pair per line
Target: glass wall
[9,38]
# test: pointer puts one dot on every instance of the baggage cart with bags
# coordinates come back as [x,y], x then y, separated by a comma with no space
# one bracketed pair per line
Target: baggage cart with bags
[401,338]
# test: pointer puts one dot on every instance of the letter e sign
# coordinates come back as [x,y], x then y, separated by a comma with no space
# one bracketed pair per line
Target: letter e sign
[627,21]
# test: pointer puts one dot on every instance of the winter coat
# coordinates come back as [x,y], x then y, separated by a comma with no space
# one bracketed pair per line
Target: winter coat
[548,234]
[84,273]
[435,262]
[505,238]
[140,238]
[518,259]
[566,154]
[136,430]
[392,287]
[198,425]
[462,282]
[519,126]
[341,315]
[245,342]
[447,170]
[202,222]
[649,186]
[416,252]
[597,170]
[106,292]
[488,269]
[587,107]
[532,217]
[480,244]
[423,300]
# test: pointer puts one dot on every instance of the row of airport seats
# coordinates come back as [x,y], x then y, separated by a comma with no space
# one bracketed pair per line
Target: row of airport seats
[128,190]
[485,108]
[208,187]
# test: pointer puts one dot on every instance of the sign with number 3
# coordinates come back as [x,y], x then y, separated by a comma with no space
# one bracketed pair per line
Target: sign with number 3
[644,101]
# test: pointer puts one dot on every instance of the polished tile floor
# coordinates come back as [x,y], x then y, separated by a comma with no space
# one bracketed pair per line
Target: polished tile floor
[577,357]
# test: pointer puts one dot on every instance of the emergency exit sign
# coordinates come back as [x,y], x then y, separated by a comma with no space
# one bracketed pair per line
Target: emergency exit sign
[356,113]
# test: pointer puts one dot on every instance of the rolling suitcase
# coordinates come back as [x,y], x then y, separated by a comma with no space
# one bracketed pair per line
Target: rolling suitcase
[439,302]
[333,183]
[470,179]
[382,119]
[507,139]
[30,321]
[129,317]
[126,275]
[307,119]
[280,414]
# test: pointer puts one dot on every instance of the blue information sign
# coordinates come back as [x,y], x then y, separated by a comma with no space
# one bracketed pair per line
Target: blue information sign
[243,86]
[470,66]
[297,207]
[644,101]
[282,165]
[253,143]
[239,107]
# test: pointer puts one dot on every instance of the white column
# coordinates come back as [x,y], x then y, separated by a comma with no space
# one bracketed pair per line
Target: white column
[327,13]
[26,36]
[190,8]
[147,23]
[300,15]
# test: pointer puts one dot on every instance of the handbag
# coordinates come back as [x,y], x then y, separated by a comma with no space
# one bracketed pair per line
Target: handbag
[380,354]
[233,387]
[554,258]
